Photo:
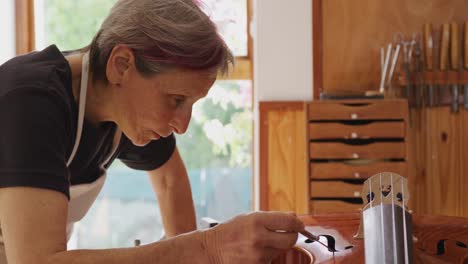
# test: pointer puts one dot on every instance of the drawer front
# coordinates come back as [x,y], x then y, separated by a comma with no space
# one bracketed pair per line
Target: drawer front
[365,110]
[335,189]
[342,131]
[341,170]
[380,150]
[332,206]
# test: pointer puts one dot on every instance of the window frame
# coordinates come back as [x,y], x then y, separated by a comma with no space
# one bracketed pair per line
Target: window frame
[24,27]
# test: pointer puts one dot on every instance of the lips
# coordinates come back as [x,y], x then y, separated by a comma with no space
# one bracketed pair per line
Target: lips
[155,135]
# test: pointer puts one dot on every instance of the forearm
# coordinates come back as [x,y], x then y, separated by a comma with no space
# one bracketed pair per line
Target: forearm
[177,209]
[187,248]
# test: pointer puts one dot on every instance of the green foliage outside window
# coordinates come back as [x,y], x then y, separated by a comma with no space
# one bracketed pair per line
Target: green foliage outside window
[73,31]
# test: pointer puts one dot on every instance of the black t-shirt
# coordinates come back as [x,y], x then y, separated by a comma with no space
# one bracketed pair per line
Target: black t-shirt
[38,122]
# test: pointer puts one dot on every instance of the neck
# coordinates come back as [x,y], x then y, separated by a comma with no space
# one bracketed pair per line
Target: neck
[98,106]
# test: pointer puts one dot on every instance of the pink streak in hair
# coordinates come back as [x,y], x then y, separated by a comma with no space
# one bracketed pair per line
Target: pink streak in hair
[197,2]
[170,55]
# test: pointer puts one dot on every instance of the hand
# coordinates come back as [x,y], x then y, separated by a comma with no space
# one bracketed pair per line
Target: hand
[257,237]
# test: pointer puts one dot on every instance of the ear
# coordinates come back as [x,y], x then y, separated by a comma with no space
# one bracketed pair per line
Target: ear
[120,60]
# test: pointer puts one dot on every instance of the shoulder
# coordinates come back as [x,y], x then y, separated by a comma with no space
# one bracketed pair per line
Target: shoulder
[37,83]
[47,69]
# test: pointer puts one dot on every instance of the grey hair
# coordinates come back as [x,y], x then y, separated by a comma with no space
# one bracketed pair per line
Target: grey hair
[163,34]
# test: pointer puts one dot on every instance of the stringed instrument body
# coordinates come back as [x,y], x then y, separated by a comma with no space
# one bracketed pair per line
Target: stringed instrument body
[385,232]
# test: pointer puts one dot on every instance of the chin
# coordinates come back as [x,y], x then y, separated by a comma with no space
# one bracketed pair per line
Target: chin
[140,141]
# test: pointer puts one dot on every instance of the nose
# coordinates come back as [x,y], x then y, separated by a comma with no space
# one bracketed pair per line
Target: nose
[181,120]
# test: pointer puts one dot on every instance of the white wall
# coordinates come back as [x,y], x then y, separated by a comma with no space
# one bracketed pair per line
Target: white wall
[282,36]
[7,30]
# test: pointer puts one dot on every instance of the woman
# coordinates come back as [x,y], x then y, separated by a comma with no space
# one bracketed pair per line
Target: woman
[66,116]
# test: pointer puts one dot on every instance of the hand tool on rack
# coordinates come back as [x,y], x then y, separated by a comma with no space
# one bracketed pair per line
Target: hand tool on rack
[384,69]
[437,42]
[407,58]
[419,66]
[454,62]
[444,50]
[392,67]
[465,50]
[428,53]
[382,59]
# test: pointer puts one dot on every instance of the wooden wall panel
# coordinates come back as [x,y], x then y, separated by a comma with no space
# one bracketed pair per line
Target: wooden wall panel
[438,162]
[443,163]
[348,36]
[463,184]
[422,135]
[284,182]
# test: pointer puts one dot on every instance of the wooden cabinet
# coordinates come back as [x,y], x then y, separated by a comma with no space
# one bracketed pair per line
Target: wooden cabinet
[350,141]
[316,163]
[284,183]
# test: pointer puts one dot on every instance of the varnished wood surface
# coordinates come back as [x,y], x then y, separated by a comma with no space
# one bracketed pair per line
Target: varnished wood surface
[284,181]
[428,232]
[348,36]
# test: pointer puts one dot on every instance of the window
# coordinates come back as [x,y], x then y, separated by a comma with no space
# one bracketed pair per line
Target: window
[7,30]
[216,148]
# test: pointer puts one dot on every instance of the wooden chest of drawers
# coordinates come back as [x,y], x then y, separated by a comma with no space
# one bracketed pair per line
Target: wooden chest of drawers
[350,141]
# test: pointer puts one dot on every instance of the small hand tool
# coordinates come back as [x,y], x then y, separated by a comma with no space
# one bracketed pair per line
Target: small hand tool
[444,50]
[419,65]
[384,69]
[392,67]
[428,53]
[455,62]
[407,58]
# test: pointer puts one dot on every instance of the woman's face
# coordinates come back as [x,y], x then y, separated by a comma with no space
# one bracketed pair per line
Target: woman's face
[152,107]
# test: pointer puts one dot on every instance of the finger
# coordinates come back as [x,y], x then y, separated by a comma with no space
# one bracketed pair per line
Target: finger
[281,240]
[280,221]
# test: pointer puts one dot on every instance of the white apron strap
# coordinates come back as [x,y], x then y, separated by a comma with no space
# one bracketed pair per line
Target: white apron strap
[82,196]
[81,106]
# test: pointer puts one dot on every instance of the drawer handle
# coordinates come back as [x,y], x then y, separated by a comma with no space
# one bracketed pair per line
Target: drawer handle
[355,156]
[354,135]
[357,194]
[357,175]
[354,116]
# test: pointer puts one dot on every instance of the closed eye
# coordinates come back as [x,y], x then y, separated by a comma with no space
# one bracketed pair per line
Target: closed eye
[179,100]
